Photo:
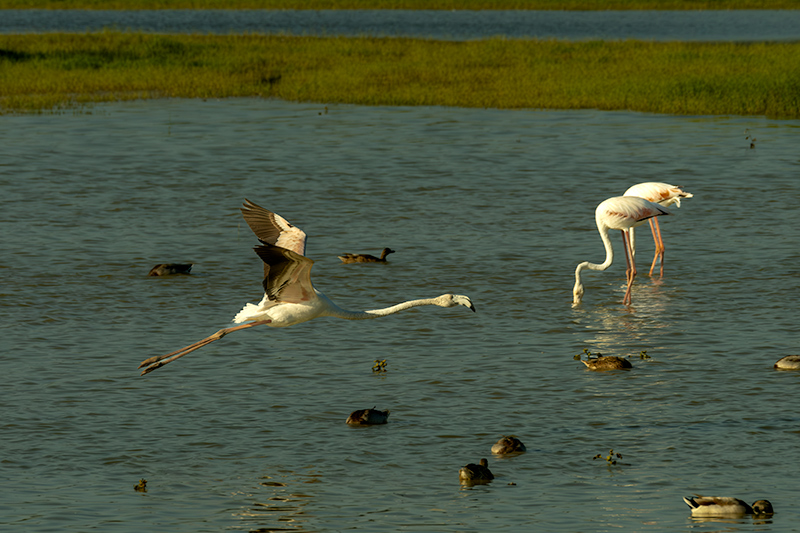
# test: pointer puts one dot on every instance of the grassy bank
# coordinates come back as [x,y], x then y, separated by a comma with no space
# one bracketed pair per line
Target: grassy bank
[401,4]
[53,71]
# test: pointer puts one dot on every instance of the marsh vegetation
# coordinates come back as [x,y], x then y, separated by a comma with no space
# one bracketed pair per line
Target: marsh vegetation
[58,71]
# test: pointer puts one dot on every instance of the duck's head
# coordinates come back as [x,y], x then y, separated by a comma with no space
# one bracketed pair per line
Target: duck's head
[762,507]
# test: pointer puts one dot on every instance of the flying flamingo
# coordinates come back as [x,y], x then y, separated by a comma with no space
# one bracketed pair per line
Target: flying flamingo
[289,298]
[663,194]
[623,213]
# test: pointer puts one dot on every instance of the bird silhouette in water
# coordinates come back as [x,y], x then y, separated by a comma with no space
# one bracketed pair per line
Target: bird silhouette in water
[366,258]
[368,417]
[607,362]
[475,473]
[168,269]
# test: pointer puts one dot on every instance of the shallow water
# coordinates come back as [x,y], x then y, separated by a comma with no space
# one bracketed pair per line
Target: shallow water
[712,25]
[249,434]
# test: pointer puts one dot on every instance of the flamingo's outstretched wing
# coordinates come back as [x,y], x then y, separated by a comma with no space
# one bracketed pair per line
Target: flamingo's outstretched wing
[271,228]
[287,275]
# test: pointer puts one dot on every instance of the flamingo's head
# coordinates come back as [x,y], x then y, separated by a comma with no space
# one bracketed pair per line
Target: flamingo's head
[577,294]
[452,300]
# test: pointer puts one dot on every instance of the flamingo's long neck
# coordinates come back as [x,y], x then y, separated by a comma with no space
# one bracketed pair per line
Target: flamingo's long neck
[338,312]
[577,291]
[609,254]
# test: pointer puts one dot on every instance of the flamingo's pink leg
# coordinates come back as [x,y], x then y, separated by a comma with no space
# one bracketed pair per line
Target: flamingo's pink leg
[630,270]
[160,360]
[656,229]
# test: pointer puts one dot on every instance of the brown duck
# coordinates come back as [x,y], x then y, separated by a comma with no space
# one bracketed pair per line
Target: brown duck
[368,417]
[607,362]
[508,444]
[365,258]
[168,269]
[473,473]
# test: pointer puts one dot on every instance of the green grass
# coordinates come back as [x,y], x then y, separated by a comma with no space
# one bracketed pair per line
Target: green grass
[400,4]
[58,71]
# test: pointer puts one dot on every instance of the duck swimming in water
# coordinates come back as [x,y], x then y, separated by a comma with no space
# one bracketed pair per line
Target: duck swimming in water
[365,258]
[473,473]
[168,269]
[368,417]
[508,444]
[790,362]
[725,506]
[607,362]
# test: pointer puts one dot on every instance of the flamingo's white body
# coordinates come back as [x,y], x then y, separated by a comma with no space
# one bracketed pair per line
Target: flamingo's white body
[622,213]
[726,506]
[289,296]
[665,195]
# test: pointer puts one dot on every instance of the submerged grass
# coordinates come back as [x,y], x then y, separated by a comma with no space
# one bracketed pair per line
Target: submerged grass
[57,71]
[400,4]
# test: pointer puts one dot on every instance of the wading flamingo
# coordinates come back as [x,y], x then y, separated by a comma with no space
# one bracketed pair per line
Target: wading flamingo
[622,213]
[289,297]
[663,194]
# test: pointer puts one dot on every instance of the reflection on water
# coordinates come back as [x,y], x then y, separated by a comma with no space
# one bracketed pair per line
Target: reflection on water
[626,331]
[280,502]
[744,522]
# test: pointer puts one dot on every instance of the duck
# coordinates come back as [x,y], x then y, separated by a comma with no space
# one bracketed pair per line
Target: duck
[726,506]
[368,417]
[607,362]
[365,258]
[790,362]
[508,444]
[473,473]
[168,269]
